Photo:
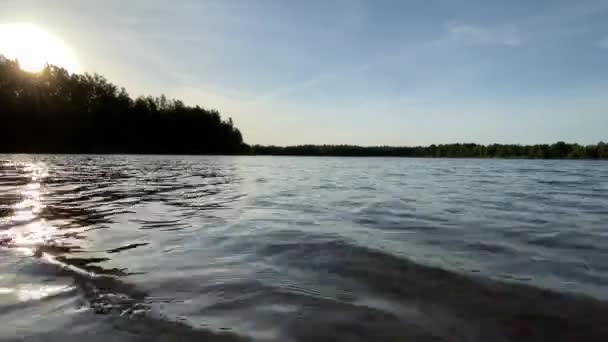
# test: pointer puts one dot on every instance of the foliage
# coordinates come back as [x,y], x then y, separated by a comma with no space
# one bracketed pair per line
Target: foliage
[558,150]
[55,111]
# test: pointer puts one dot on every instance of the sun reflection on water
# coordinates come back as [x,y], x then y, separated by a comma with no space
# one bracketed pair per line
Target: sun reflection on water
[31,292]
[28,229]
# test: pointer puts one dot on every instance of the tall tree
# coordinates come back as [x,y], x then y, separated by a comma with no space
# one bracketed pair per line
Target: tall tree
[55,111]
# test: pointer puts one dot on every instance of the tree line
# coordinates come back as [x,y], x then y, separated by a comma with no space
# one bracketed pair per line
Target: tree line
[559,150]
[57,112]
[53,111]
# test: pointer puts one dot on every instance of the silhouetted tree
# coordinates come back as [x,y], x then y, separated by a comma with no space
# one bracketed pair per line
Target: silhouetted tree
[55,111]
[558,150]
[58,112]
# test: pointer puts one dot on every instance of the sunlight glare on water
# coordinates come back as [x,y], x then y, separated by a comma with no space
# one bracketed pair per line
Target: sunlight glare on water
[29,228]
[302,249]
[34,292]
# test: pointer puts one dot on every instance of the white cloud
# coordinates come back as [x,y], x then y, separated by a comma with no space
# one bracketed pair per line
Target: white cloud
[476,35]
[602,43]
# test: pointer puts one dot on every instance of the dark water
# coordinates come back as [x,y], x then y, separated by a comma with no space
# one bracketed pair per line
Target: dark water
[130,248]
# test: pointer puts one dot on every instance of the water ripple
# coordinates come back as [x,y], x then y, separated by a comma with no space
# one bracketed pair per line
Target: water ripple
[305,249]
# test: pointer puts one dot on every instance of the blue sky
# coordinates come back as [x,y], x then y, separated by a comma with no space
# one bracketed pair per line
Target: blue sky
[354,71]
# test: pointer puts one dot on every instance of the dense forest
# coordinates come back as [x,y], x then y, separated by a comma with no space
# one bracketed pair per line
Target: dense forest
[55,111]
[558,150]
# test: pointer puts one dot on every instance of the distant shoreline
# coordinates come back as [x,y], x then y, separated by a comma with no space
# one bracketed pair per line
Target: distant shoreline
[55,112]
[557,151]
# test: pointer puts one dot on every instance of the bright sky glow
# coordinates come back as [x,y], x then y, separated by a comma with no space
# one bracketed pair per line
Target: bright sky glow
[34,47]
[368,72]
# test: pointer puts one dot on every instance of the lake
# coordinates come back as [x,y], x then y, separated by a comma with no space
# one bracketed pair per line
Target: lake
[141,248]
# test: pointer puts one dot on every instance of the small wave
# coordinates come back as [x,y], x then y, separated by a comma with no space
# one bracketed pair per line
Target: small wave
[490,247]
[572,240]
[452,294]
[130,306]
[127,247]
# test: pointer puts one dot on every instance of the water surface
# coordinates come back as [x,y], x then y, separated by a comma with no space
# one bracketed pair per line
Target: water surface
[140,248]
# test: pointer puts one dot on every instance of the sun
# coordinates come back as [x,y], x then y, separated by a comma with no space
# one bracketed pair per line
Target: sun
[34,47]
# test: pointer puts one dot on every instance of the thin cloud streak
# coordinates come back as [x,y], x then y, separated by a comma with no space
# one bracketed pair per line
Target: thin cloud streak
[477,35]
[310,83]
